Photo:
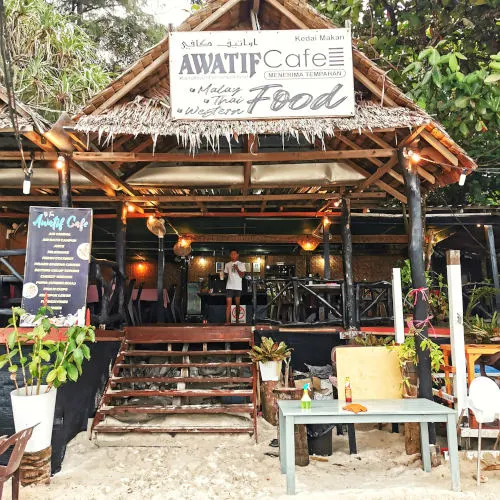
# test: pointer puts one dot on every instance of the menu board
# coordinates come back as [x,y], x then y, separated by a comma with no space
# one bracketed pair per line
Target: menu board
[57,264]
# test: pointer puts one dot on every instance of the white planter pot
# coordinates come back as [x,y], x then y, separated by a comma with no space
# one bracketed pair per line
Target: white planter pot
[36,409]
[270,370]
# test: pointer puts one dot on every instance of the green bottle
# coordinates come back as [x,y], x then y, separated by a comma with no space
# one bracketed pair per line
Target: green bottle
[305,402]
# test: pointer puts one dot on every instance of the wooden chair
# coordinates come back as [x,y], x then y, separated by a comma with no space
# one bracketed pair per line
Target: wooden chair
[137,304]
[11,470]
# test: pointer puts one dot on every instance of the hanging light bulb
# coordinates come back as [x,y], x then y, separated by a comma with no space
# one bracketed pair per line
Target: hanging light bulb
[130,207]
[27,183]
[60,162]
[463,176]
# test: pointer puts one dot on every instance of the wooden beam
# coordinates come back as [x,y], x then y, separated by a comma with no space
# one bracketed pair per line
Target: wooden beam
[291,17]
[140,147]
[373,87]
[439,147]
[116,144]
[290,238]
[161,60]
[110,192]
[382,185]
[391,163]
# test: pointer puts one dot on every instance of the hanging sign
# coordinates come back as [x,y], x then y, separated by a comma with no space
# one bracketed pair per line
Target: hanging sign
[57,264]
[241,75]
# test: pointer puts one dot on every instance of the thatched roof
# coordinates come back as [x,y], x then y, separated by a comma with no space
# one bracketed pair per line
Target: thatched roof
[27,118]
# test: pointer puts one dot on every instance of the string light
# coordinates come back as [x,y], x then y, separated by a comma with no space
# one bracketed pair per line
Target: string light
[130,207]
[61,161]
[336,203]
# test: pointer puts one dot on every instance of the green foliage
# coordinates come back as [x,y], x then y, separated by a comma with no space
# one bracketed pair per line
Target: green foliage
[54,60]
[444,55]
[371,340]
[49,361]
[120,28]
[407,352]
[480,330]
[269,350]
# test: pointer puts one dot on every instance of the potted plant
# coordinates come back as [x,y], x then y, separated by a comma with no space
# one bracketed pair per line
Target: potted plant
[408,360]
[270,356]
[42,364]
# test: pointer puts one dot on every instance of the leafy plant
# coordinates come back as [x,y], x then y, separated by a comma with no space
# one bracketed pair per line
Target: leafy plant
[48,361]
[269,350]
[371,340]
[481,331]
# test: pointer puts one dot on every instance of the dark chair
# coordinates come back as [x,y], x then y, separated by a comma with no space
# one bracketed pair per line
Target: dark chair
[127,303]
[11,470]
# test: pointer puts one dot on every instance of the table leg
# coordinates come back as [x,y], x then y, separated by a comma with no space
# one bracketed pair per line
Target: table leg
[282,442]
[290,456]
[351,433]
[451,431]
[424,446]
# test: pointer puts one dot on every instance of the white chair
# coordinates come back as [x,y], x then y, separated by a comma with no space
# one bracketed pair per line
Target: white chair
[484,402]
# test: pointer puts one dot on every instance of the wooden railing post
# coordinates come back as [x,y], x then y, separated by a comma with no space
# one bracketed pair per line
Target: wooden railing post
[397,306]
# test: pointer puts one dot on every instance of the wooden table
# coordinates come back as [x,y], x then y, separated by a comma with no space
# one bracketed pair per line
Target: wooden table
[379,411]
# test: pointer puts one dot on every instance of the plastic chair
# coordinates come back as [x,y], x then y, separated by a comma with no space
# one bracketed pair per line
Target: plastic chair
[11,470]
[484,402]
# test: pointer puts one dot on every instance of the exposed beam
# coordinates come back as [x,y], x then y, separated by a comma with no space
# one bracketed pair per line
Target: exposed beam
[372,87]
[292,17]
[382,185]
[139,148]
[161,60]
[287,238]
[439,147]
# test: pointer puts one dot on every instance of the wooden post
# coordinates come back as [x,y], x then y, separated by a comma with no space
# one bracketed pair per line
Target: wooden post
[268,401]
[456,313]
[300,432]
[308,263]
[35,467]
[350,319]
[416,255]
[493,259]
[397,306]
[326,249]
[64,185]
[121,243]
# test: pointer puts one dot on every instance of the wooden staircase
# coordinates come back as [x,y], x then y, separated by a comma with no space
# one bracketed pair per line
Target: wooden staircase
[185,371]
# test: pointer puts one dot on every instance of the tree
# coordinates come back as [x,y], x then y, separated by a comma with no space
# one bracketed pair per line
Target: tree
[444,55]
[121,28]
[53,59]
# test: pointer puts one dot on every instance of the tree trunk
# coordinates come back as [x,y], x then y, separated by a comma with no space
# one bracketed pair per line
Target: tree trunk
[300,433]
[268,401]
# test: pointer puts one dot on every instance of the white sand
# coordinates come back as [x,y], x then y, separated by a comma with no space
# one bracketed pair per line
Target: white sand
[220,467]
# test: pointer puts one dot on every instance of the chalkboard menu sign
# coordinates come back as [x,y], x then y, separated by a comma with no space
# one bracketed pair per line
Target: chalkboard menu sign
[57,264]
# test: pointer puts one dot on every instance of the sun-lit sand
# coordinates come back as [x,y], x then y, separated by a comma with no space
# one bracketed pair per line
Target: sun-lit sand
[219,467]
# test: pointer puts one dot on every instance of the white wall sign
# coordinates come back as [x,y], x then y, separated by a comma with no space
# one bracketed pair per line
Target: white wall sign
[240,75]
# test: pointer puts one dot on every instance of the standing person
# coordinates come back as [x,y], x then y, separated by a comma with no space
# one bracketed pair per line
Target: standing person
[235,270]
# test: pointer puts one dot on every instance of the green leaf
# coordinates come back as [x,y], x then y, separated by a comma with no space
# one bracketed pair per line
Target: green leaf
[13,368]
[11,340]
[51,376]
[492,78]
[424,53]
[85,350]
[61,374]
[453,62]
[464,129]
[436,76]
[44,355]
[72,372]
[462,102]
[434,57]
[78,355]
[460,56]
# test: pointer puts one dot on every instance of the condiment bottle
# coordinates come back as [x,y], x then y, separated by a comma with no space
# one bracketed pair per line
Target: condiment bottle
[305,402]
[348,390]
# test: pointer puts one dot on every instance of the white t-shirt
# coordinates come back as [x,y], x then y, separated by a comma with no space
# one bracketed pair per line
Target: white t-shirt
[234,282]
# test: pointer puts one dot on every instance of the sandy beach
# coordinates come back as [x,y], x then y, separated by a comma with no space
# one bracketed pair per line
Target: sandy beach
[234,467]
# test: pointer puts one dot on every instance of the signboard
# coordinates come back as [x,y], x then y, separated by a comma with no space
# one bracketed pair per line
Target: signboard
[240,75]
[243,314]
[57,264]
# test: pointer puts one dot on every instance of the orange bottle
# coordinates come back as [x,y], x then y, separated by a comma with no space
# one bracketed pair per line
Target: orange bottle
[348,390]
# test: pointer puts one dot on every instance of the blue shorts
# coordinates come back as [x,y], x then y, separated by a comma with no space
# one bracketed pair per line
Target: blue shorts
[230,293]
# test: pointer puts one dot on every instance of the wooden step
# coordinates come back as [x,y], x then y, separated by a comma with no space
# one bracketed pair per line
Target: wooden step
[139,352]
[141,393]
[172,430]
[188,380]
[185,409]
[184,365]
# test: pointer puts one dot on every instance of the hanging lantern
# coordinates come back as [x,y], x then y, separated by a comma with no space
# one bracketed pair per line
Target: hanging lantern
[183,247]
[308,243]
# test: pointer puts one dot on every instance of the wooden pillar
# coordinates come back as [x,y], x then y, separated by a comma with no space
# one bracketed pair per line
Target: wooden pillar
[326,248]
[120,255]
[416,256]
[456,314]
[490,238]
[308,263]
[64,184]
[350,312]
[160,317]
